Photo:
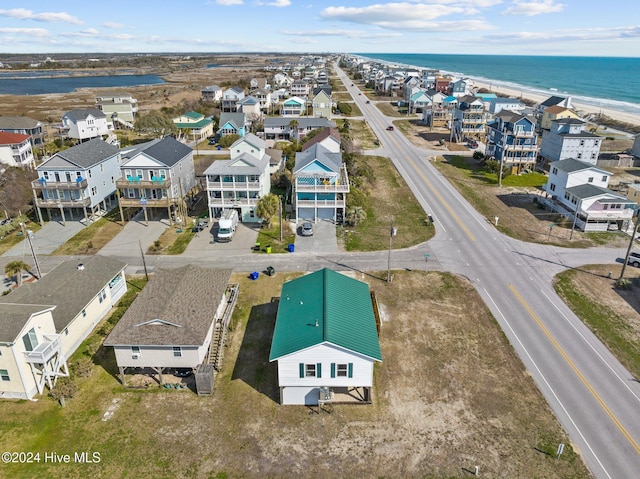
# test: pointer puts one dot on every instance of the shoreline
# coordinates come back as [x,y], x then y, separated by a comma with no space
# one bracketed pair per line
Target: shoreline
[581,108]
[523,91]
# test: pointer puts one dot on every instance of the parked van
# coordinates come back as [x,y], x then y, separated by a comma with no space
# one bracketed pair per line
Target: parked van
[227,225]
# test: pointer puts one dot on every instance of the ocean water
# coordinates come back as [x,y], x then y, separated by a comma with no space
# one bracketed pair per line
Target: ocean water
[605,82]
[41,86]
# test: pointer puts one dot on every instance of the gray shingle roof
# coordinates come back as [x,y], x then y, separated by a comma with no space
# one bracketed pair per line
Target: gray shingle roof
[184,300]
[167,151]
[303,122]
[589,191]
[570,165]
[14,317]
[237,119]
[83,113]
[18,123]
[244,164]
[67,287]
[84,155]
[552,100]
[251,139]
[333,161]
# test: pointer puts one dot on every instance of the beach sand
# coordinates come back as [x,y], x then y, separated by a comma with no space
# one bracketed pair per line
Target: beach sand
[580,108]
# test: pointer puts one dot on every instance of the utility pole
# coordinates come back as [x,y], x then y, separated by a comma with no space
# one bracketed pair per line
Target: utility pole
[635,232]
[144,263]
[280,215]
[392,233]
[29,235]
[575,218]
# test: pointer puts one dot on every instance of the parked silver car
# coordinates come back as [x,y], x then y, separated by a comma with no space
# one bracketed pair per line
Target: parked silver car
[307,229]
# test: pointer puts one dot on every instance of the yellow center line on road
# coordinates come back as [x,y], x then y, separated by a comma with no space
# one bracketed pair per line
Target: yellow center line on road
[571,364]
[442,201]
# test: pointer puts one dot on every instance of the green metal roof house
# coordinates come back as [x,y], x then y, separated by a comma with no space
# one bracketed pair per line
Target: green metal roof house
[325,340]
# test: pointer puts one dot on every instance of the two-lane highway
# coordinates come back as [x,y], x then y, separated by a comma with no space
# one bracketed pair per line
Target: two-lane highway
[593,396]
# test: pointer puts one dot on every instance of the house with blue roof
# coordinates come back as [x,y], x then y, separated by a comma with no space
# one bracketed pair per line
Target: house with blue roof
[320,184]
[293,106]
[325,340]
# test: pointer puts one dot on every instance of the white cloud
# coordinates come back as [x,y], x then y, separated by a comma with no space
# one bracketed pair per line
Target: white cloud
[113,25]
[28,32]
[340,33]
[229,2]
[50,17]
[276,3]
[534,8]
[574,35]
[390,12]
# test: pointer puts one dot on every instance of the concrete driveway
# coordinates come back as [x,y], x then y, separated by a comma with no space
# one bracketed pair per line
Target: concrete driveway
[135,234]
[323,240]
[52,235]
[243,240]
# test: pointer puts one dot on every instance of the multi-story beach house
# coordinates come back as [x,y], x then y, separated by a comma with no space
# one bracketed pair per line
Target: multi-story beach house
[300,88]
[321,104]
[43,323]
[194,126]
[320,184]
[295,128]
[156,175]
[79,182]
[119,108]
[15,150]
[85,124]
[469,118]
[233,123]
[24,126]
[230,98]
[568,138]
[293,106]
[556,112]
[212,93]
[499,103]
[241,181]
[579,191]
[511,139]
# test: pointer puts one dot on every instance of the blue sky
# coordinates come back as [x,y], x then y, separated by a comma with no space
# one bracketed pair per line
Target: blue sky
[537,27]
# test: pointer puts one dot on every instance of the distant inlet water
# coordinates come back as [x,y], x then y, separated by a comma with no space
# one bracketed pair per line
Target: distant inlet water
[605,82]
[43,86]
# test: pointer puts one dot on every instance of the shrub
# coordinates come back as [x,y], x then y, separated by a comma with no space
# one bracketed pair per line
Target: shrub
[64,388]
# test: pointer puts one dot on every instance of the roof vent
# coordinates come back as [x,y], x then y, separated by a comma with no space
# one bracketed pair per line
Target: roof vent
[80,266]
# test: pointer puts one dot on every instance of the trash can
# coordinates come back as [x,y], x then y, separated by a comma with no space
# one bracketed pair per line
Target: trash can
[267,248]
[219,148]
[253,276]
[270,270]
[291,248]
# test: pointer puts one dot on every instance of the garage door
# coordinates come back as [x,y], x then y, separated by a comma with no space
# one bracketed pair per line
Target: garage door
[326,213]
[306,214]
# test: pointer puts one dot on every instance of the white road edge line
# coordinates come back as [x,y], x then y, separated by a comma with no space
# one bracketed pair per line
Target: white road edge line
[591,346]
[546,382]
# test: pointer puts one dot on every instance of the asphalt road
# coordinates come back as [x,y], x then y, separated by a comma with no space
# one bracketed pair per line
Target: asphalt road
[592,395]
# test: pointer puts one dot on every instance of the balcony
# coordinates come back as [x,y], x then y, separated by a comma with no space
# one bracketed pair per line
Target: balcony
[62,203]
[134,182]
[149,202]
[521,148]
[337,203]
[232,202]
[233,185]
[42,184]
[51,345]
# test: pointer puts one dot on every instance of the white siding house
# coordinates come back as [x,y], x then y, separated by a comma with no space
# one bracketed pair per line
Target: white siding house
[325,340]
[84,124]
[42,338]
[578,188]
[171,322]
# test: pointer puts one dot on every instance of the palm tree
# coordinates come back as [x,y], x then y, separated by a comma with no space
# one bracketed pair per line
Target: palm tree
[267,208]
[15,268]
[356,214]
[293,127]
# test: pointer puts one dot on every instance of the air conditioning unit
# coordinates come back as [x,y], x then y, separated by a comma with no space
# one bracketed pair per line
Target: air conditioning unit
[135,356]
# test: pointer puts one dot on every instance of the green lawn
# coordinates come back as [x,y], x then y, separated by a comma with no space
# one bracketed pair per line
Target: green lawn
[389,199]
